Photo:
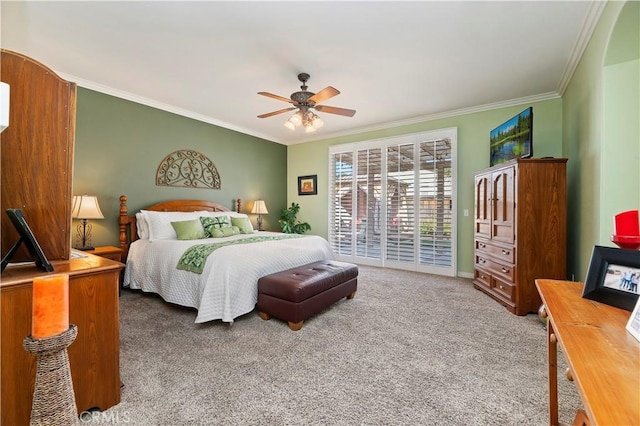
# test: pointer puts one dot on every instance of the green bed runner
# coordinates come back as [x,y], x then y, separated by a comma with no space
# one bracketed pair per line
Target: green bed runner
[194,258]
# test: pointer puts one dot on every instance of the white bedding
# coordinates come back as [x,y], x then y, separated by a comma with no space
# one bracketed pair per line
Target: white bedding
[228,286]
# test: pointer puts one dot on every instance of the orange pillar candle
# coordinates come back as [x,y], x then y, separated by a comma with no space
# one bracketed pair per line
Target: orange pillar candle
[50,315]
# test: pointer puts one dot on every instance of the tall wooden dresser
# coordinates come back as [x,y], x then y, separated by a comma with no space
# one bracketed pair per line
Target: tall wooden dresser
[36,176]
[94,356]
[520,230]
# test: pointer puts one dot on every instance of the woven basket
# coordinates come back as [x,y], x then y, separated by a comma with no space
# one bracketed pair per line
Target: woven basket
[54,401]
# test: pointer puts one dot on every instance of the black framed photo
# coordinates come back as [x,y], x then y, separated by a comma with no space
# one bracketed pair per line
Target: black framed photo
[613,277]
[308,185]
[28,239]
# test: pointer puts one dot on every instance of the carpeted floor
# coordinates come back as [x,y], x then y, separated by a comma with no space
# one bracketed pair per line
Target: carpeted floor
[409,349]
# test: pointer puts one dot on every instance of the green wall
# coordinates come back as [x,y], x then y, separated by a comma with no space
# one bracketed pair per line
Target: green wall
[473,155]
[601,121]
[119,145]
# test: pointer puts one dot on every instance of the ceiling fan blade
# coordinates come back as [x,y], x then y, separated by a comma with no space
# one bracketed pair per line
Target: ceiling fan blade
[335,110]
[326,93]
[280,111]
[271,95]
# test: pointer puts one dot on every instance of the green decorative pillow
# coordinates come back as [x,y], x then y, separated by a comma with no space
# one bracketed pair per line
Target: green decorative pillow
[225,232]
[189,229]
[243,223]
[216,222]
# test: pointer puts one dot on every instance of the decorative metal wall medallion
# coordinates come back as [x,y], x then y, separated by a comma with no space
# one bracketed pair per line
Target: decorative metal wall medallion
[187,168]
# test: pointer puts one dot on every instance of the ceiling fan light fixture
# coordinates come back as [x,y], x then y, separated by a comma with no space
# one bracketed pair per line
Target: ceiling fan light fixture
[296,119]
[304,101]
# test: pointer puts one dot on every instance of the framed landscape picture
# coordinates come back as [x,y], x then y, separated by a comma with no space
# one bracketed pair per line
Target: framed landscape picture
[308,185]
[512,139]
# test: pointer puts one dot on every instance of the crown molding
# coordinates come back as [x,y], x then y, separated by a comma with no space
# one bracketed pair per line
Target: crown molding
[588,27]
[382,126]
[440,115]
[107,90]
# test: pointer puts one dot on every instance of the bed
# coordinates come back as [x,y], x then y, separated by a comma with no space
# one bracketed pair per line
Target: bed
[227,286]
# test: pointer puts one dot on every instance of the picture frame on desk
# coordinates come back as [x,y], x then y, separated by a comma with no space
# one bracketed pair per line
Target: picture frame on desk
[28,239]
[633,326]
[613,276]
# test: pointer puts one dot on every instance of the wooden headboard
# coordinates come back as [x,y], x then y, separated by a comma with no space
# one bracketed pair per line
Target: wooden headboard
[128,229]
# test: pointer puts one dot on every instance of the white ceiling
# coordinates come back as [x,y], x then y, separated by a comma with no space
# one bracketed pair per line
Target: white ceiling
[394,62]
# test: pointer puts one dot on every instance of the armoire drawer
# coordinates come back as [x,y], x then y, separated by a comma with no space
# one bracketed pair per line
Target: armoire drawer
[507,272]
[502,287]
[500,253]
[482,277]
[497,288]
[504,254]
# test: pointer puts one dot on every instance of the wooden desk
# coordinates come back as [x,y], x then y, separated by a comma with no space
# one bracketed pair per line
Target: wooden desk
[603,358]
[95,354]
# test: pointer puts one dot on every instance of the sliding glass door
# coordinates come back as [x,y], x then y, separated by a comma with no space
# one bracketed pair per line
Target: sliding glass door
[392,202]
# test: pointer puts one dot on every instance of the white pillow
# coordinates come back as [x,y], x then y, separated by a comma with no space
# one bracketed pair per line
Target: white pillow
[234,214]
[217,214]
[142,226]
[159,223]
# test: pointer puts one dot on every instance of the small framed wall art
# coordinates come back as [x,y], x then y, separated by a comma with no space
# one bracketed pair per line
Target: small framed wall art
[613,277]
[308,185]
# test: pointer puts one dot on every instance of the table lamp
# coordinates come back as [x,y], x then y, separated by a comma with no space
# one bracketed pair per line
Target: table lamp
[259,208]
[85,207]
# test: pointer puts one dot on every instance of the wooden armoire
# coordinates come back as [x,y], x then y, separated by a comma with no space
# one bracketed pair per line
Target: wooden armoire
[37,170]
[520,230]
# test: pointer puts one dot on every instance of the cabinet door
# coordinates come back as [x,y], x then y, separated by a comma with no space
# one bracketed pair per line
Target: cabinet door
[503,205]
[483,206]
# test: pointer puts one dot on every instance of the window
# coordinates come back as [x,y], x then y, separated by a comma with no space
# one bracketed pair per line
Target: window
[393,202]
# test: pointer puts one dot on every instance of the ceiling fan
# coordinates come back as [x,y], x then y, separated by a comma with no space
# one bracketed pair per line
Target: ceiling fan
[304,101]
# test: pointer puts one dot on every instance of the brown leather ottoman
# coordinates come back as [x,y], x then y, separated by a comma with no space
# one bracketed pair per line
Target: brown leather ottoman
[296,294]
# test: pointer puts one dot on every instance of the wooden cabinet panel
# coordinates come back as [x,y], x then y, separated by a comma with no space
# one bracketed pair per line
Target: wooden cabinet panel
[37,155]
[15,361]
[503,206]
[483,205]
[93,356]
[520,230]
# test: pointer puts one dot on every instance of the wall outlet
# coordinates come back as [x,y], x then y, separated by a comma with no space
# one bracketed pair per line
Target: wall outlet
[466,212]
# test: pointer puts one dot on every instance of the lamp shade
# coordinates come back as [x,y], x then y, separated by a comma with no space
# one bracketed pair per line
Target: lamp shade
[86,207]
[259,207]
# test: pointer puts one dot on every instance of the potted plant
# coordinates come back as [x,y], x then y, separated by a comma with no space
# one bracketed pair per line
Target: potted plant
[288,222]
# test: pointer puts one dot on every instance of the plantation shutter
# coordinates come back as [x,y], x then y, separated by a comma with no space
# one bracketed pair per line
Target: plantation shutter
[435,202]
[369,169]
[392,202]
[401,214]
[340,207]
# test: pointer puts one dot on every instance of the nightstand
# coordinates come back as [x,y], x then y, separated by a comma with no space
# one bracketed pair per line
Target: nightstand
[113,253]
[109,252]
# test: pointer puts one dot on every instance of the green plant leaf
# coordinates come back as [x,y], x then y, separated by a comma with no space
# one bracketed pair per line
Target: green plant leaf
[288,221]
